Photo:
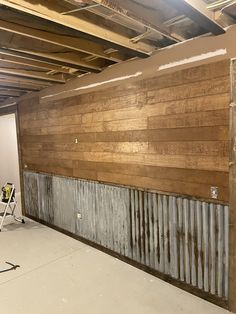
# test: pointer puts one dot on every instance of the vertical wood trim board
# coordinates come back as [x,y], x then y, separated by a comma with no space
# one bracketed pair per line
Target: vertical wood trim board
[183,238]
[232,199]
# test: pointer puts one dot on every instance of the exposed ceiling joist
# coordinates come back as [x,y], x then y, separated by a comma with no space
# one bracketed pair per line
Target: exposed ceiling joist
[197,11]
[32,74]
[23,80]
[68,60]
[59,40]
[19,86]
[16,58]
[217,5]
[223,18]
[128,10]
[230,11]
[83,28]
[10,93]
[80,9]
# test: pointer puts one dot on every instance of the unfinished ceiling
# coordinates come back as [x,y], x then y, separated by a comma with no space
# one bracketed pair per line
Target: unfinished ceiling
[50,42]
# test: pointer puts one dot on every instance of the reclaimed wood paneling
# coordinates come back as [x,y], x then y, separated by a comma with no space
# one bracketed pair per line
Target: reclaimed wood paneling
[180,237]
[168,133]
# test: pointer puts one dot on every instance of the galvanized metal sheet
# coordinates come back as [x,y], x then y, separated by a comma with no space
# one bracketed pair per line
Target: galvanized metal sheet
[183,238]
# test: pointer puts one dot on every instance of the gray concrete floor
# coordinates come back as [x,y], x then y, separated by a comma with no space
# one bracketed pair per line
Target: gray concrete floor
[61,275]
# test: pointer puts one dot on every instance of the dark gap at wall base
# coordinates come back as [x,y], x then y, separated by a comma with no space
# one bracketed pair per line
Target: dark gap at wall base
[190,289]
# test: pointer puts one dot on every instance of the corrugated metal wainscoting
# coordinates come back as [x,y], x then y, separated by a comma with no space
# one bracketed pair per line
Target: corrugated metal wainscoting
[182,238]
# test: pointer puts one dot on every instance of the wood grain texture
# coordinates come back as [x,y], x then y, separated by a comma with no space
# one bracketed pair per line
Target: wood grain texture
[168,133]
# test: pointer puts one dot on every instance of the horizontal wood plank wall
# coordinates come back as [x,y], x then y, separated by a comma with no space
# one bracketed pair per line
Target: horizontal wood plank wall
[169,133]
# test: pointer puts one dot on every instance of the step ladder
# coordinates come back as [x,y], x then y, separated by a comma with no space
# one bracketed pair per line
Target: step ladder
[9,206]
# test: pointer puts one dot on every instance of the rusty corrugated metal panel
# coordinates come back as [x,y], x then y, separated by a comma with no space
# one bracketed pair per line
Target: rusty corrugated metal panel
[183,238]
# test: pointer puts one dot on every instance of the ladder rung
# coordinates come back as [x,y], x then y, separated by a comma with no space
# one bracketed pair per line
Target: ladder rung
[7,214]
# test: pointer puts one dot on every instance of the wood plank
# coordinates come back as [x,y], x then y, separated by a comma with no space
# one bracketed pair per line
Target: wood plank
[214,87]
[201,119]
[126,108]
[161,184]
[125,147]
[178,161]
[205,148]
[111,126]
[216,133]
[131,95]
[190,75]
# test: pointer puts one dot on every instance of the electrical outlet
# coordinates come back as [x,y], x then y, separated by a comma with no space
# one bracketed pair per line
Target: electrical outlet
[79,216]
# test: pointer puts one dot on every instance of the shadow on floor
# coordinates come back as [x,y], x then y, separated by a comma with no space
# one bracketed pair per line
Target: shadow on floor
[29,225]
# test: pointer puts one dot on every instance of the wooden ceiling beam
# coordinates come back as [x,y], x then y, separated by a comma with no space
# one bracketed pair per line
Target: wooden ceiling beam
[68,60]
[32,74]
[197,11]
[223,18]
[23,81]
[55,39]
[137,14]
[18,86]
[10,93]
[16,58]
[219,5]
[85,29]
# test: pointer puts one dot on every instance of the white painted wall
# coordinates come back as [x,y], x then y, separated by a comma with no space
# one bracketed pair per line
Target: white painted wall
[9,164]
